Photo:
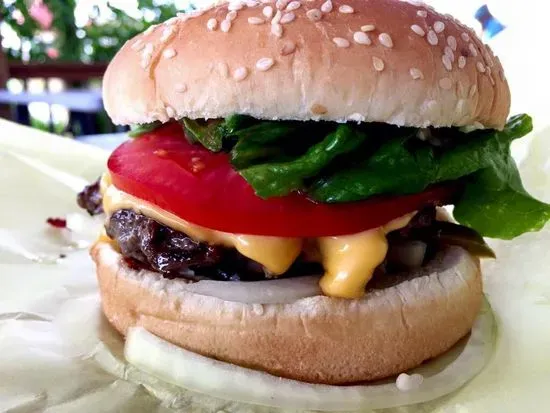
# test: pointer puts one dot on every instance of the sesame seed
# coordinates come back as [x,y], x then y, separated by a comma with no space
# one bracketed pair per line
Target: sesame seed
[385,40]
[251,3]
[326,7]
[340,42]
[461,89]
[432,38]
[465,37]
[480,67]
[473,49]
[256,20]
[277,18]
[445,83]
[235,6]
[149,30]
[314,15]
[232,15]
[361,38]
[461,62]
[195,13]
[488,59]
[264,64]
[478,125]
[167,34]
[288,48]
[368,28]
[356,117]
[492,79]
[473,91]
[171,21]
[345,9]
[429,106]
[293,5]
[460,105]
[416,73]
[225,25]
[180,88]
[288,17]
[318,109]
[170,112]
[277,29]
[422,13]
[240,73]
[451,41]
[418,30]
[268,12]
[281,4]
[138,45]
[148,50]
[377,63]
[449,52]
[439,26]
[223,69]
[169,53]
[447,62]
[211,24]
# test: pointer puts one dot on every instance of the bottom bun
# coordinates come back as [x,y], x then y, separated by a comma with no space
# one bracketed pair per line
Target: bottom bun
[316,339]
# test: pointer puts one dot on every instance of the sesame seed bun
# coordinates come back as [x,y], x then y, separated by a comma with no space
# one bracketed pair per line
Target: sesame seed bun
[316,339]
[375,61]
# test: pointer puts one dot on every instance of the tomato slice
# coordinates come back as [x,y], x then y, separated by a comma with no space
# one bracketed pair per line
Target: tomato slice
[163,168]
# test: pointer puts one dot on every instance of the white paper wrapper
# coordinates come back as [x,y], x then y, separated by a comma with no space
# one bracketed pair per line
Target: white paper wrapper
[55,346]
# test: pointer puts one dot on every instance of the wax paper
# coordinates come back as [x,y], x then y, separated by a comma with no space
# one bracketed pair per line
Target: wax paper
[55,346]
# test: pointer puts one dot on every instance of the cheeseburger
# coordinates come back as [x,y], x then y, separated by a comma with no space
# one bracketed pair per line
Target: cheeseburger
[280,205]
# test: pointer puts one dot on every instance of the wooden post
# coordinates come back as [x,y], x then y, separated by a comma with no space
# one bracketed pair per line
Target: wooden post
[4,76]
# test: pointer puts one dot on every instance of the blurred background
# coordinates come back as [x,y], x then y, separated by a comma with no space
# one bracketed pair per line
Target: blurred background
[54,53]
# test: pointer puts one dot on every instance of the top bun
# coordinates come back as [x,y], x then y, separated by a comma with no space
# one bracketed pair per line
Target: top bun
[352,60]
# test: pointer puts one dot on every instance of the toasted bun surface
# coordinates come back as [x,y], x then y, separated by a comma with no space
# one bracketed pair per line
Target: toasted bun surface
[316,339]
[419,68]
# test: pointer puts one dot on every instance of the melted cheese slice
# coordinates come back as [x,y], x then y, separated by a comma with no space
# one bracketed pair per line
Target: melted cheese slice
[274,253]
[349,261]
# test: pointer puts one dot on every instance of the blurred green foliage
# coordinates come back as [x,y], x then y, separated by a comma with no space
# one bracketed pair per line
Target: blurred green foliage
[57,128]
[97,41]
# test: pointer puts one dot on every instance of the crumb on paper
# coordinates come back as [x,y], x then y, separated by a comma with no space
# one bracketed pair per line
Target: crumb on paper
[405,382]
[57,222]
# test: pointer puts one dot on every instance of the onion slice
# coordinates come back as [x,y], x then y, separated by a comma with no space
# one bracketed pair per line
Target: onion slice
[200,374]
[276,291]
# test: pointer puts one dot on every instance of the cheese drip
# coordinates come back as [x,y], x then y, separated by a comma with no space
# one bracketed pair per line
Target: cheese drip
[349,261]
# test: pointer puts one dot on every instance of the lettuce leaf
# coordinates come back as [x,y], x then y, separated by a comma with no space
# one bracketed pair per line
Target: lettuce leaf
[414,165]
[138,130]
[281,178]
[206,132]
[495,200]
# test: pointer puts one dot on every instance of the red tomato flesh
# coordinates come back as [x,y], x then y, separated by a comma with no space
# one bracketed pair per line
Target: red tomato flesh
[201,187]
